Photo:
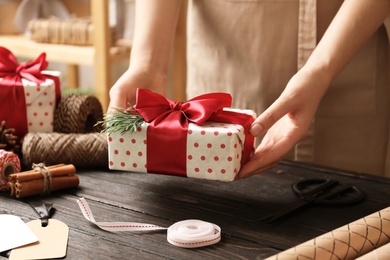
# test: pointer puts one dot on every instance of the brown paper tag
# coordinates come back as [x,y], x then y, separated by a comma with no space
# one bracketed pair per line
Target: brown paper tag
[53,240]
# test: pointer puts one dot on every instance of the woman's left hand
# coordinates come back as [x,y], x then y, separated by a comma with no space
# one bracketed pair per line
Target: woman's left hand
[286,121]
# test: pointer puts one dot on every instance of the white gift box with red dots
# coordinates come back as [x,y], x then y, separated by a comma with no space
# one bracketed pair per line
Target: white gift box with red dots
[214,150]
[40,103]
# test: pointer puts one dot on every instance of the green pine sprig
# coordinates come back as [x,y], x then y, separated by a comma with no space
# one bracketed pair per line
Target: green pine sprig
[122,120]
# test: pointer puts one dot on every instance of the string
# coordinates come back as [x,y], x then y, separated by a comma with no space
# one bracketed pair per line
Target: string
[75,140]
[190,233]
[81,150]
[78,113]
[46,176]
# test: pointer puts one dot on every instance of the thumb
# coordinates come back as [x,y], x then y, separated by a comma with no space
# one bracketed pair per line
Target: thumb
[268,118]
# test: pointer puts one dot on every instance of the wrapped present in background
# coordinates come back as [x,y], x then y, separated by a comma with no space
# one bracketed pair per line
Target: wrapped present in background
[28,94]
[200,138]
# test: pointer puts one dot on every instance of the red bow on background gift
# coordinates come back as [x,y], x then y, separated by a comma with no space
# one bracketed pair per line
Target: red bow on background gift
[168,124]
[12,99]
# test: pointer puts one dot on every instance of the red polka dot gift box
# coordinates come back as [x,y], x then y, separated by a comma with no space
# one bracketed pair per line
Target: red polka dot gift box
[201,138]
[28,94]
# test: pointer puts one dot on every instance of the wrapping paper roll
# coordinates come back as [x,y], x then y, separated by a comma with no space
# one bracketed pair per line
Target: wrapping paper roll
[347,242]
[381,253]
[81,150]
[9,163]
[78,113]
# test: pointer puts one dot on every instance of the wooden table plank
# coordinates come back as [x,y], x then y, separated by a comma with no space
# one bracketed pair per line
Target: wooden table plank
[163,200]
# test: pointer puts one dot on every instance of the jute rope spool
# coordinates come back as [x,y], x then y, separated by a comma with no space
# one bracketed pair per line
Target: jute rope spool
[78,113]
[81,150]
[76,140]
[74,31]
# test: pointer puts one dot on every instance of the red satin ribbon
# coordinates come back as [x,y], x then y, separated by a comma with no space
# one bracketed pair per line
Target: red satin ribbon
[168,124]
[12,99]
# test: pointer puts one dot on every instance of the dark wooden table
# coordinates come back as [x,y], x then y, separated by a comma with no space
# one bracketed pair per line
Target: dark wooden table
[164,200]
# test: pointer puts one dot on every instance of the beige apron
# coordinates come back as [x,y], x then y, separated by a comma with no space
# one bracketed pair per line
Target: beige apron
[251,49]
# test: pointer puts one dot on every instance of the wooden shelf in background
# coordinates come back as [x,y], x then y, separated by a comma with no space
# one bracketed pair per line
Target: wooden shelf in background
[21,46]
[101,56]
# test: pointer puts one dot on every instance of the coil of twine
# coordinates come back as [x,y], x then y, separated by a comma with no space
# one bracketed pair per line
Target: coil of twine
[73,31]
[76,140]
[78,113]
[81,150]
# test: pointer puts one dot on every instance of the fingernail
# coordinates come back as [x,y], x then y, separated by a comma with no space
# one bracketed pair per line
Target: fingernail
[256,129]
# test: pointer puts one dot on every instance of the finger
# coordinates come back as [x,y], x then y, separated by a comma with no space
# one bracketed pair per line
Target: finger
[266,156]
[257,164]
[257,171]
[117,100]
[269,117]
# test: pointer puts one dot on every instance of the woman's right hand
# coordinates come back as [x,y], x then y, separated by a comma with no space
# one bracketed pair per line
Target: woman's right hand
[154,32]
[123,91]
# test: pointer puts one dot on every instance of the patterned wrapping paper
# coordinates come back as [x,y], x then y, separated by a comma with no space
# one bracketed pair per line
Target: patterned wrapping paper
[347,242]
[40,104]
[213,151]
[381,253]
[28,93]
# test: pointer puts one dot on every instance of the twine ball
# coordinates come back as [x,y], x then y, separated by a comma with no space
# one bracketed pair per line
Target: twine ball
[78,113]
[76,138]
[81,150]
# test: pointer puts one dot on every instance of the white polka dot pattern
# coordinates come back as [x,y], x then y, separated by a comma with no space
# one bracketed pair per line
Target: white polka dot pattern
[214,151]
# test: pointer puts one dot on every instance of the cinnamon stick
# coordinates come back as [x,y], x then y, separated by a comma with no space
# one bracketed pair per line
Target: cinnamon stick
[54,172]
[35,187]
[43,180]
[12,177]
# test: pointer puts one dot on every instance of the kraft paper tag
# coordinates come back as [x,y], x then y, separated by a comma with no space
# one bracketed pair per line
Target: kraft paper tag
[53,240]
[14,233]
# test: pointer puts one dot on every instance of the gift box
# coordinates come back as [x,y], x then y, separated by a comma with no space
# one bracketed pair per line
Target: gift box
[201,138]
[28,94]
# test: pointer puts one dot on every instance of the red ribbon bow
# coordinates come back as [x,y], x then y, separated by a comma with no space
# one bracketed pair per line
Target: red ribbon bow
[168,124]
[11,71]
[12,99]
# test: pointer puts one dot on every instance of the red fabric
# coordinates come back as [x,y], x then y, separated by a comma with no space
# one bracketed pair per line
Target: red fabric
[12,99]
[168,124]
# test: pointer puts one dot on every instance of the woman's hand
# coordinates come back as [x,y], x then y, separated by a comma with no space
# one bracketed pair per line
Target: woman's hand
[155,23]
[124,90]
[286,121]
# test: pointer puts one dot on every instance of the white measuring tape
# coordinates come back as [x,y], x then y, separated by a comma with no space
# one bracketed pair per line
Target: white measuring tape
[187,233]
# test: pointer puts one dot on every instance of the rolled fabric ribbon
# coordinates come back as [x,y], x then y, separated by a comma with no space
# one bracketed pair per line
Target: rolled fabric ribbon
[81,150]
[187,233]
[347,242]
[9,163]
[193,233]
[78,113]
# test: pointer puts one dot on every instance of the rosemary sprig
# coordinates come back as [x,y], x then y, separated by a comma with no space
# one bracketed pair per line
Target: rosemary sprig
[123,120]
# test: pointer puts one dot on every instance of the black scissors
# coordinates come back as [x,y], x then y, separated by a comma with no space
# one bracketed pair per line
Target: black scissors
[319,191]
